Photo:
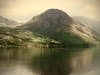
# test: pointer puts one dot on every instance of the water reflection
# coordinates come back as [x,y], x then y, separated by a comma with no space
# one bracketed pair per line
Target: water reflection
[82,58]
[62,62]
[90,63]
[45,61]
[13,61]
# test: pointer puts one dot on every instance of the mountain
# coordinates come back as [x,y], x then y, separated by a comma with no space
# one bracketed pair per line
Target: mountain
[58,25]
[7,21]
[88,22]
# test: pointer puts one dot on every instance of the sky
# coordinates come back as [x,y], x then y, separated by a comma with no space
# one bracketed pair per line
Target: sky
[24,10]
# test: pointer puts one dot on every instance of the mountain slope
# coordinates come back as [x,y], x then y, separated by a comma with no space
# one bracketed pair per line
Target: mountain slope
[27,35]
[58,25]
[88,22]
[7,21]
[10,40]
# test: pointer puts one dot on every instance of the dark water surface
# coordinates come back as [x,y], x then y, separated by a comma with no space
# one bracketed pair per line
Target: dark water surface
[49,61]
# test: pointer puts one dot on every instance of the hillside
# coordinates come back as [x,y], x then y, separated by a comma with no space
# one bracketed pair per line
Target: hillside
[10,40]
[95,25]
[27,35]
[58,25]
[11,27]
[7,21]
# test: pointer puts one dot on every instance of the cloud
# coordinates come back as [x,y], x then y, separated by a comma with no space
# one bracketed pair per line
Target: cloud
[25,9]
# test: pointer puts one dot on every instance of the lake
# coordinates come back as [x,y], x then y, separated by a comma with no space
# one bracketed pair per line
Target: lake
[49,61]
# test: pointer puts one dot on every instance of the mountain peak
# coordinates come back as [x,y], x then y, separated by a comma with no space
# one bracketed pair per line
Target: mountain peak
[54,17]
[53,13]
[51,18]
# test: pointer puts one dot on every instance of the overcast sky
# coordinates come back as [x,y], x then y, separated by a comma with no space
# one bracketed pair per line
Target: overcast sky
[24,10]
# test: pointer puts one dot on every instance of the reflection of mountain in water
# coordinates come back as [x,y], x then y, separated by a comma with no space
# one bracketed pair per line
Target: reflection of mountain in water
[62,62]
[82,59]
[13,61]
[44,61]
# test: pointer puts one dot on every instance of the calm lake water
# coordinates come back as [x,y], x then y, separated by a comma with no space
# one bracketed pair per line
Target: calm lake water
[49,61]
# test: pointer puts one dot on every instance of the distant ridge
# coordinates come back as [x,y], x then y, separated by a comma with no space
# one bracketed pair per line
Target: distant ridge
[7,21]
[88,22]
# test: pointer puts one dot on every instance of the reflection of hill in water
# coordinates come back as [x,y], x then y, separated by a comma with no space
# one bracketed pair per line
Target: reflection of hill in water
[13,61]
[62,61]
[46,61]
[82,58]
